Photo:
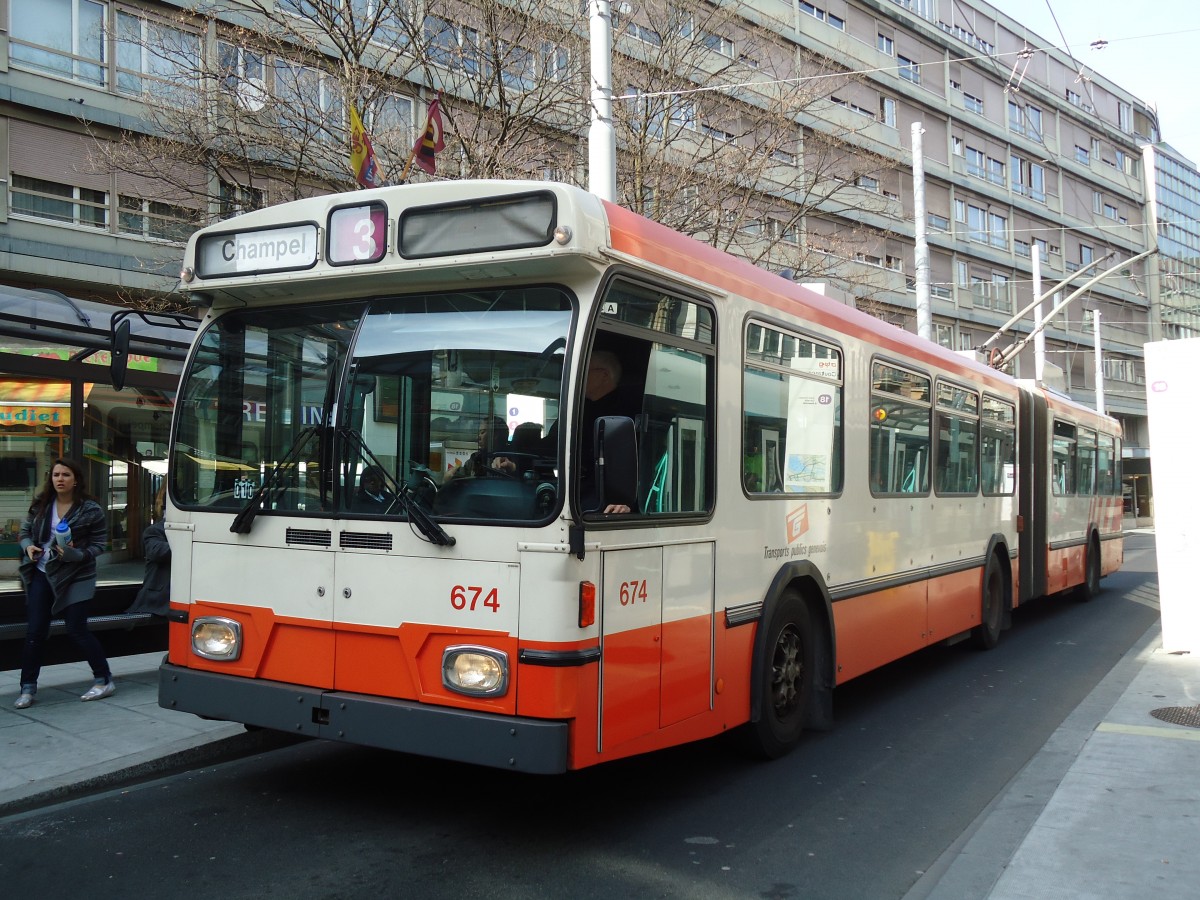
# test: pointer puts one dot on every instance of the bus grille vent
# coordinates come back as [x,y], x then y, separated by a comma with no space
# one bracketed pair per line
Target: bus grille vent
[310,537]
[361,540]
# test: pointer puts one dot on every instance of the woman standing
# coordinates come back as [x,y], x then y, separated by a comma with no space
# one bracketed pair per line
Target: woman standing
[60,577]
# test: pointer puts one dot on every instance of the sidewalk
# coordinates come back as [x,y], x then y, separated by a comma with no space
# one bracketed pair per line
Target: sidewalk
[60,747]
[1108,808]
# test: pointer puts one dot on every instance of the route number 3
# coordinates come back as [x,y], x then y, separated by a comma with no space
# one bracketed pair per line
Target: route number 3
[471,597]
[633,592]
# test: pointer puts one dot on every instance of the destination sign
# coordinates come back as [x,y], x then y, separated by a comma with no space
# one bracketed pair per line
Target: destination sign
[249,252]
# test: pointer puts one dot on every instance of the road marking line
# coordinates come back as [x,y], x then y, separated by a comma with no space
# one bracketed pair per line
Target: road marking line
[1150,731]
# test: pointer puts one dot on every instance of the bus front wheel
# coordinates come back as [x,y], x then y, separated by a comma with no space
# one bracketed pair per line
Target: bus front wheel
[787,680]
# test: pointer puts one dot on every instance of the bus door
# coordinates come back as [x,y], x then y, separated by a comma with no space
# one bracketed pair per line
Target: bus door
[657,640]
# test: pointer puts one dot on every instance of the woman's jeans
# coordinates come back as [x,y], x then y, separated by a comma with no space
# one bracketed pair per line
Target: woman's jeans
[38,602]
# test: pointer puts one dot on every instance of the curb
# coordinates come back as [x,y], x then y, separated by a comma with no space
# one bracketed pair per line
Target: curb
[131,769]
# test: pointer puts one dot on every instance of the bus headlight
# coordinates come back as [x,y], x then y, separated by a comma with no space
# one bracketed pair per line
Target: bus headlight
[215,637]
[475,671]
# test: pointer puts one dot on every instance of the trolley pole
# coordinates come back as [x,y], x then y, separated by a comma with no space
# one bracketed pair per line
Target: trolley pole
[602,138]
[924,312]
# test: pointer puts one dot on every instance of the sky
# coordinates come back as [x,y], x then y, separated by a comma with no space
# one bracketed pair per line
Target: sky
[1153,52]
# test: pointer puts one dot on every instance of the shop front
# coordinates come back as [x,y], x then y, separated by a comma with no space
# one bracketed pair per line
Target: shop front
[57,399]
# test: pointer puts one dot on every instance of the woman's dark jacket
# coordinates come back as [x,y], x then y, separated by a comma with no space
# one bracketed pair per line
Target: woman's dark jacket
[155,595]
[72,577]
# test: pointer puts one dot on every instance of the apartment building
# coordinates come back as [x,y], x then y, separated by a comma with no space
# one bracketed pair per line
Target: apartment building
[1022,147]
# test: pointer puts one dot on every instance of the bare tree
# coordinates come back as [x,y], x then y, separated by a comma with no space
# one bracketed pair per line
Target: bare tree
[725,132]
[729,134]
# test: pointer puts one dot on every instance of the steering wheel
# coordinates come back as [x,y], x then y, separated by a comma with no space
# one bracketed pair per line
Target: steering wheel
[510,455]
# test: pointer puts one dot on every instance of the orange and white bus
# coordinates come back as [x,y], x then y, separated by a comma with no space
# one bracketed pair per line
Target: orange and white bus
[502,473]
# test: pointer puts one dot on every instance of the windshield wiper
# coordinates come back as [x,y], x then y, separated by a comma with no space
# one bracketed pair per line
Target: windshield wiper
[433,532]
[404,493]
[243,521]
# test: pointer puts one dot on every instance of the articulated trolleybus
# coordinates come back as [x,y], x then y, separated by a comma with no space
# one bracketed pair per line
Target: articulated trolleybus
[503,473]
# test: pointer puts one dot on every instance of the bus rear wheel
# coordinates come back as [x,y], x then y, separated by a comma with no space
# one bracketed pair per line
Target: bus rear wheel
[787,680]
[991,615]
[1091,573]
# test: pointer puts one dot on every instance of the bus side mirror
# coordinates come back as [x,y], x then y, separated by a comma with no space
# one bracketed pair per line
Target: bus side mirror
[616,461]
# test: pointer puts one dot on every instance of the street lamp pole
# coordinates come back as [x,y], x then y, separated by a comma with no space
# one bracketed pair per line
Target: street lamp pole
[602,138]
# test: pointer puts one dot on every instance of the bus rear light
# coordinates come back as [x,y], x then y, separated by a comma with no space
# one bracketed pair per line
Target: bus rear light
[475,671]
[587,604]
[215,637]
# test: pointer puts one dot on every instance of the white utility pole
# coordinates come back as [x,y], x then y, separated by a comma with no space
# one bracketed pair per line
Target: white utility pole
[1039,336]
[1099,362]
[924,311]
[602,137]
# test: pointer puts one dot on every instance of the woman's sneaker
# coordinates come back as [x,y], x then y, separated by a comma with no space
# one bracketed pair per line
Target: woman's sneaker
[100,691]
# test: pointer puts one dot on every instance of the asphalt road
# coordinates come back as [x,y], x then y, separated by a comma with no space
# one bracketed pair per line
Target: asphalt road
[918,750]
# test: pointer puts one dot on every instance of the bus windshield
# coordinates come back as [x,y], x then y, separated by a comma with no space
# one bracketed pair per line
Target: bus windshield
[444,399]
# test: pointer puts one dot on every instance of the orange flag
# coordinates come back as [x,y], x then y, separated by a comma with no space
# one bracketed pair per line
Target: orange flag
[430,141]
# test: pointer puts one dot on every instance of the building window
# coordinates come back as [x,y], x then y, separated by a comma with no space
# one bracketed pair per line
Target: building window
[885,44]
[1082,156]
[1125,117]
[243,75]
[995,171]
[392,115]
[909,69]
[887,111]
[311,101]
[1025,120]
[975,162]
[1110,212]
[236,199]
[1033,116]
[60,37]
[156,58]
[1037,182]
[57,202]
[152,219]
[972,103]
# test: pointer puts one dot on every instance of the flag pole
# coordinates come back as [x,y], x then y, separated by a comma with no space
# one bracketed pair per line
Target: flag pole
[411,156]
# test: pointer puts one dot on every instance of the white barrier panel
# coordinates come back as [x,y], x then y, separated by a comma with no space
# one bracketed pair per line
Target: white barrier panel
[1173,403]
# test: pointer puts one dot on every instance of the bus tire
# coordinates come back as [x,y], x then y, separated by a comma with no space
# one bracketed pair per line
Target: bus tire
[1091,573]
[788,678]
[991,612]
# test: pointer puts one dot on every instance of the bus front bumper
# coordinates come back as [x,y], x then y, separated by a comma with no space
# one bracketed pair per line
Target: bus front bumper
[504,742]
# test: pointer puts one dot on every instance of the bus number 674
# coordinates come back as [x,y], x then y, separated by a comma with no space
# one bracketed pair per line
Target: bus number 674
[470,597]
[632,592]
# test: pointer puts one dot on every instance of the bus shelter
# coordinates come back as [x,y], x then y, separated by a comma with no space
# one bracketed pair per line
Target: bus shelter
[58,399]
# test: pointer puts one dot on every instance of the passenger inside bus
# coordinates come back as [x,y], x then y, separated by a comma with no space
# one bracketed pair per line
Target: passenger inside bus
[372,495]
[493,440]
